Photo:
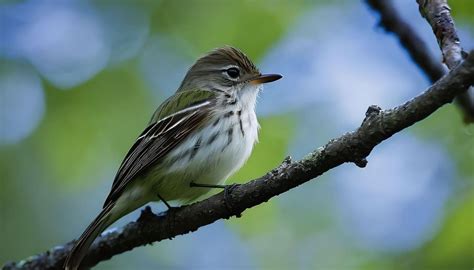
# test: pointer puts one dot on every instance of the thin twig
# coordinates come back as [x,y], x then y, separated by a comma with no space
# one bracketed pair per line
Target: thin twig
[438,15]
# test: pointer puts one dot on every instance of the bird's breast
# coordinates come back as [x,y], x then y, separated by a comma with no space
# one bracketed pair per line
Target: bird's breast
[213,153]
[221,146]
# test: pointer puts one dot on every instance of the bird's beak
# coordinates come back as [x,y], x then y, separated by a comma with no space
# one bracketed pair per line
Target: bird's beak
[265,78]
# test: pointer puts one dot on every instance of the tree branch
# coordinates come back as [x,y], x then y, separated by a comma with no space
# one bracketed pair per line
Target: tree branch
[377,126]
[437,14]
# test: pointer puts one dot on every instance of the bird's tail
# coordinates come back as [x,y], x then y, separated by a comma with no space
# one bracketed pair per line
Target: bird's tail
[100,223]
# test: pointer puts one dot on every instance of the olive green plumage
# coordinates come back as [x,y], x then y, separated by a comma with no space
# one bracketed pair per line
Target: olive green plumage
[179,101]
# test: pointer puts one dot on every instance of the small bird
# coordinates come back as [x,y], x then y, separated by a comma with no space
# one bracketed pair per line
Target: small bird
[195,140]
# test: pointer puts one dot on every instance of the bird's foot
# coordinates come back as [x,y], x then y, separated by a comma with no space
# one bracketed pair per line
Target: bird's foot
[170,208]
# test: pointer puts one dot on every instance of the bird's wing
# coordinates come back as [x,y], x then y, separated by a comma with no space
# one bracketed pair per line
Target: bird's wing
[176,118]
[180,101]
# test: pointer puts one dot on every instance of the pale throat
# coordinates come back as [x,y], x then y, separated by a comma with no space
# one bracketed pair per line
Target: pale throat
[238,114]
[247,96]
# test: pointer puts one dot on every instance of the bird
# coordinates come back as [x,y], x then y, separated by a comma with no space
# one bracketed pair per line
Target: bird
[196,139]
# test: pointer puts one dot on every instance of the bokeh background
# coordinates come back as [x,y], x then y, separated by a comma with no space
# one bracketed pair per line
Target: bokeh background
[80,79]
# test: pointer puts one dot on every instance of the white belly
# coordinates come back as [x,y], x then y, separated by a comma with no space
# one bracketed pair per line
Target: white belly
[223,149]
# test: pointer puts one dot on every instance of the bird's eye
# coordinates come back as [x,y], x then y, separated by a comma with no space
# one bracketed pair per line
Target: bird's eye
[233,72]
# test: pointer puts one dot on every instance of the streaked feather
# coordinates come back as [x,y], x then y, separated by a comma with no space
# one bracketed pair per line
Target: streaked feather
[175,123]
[180,101]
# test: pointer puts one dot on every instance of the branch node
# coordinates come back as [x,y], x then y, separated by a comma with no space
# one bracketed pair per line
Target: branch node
[361,163]
[287,160]
[146,215]
[372,110]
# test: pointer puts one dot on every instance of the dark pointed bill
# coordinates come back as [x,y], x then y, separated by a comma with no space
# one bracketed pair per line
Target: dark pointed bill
[265,78]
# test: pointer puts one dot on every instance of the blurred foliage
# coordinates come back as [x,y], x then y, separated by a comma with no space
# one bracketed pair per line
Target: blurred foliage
[210,23]
[446,127]
[453,247]
[462,11]
[92,123]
